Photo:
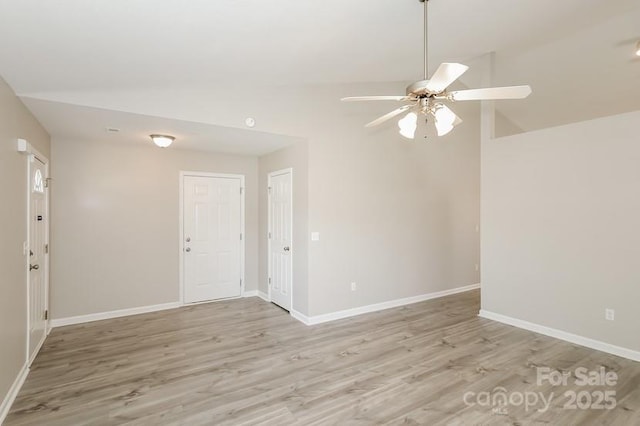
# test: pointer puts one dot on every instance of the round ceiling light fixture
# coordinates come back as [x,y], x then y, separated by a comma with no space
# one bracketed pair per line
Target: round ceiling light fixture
[250,122]
[162,141]
[638,49]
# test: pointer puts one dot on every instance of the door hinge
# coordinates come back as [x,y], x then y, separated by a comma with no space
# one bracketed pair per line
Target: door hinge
[46,249]
[240,237]
[241,188]
[269,235]
[240,282]
[269,280]
[46,314]
[269,189]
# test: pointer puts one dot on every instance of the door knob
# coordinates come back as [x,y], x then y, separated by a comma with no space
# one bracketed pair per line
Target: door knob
[188,239]
[36,267]
[188,249]
[286,249]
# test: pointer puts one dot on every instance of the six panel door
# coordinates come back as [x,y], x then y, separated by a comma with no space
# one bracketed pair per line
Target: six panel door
[212,238]
[280,204]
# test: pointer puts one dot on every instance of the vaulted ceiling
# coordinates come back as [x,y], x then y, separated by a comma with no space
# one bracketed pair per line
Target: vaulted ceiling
[577,54]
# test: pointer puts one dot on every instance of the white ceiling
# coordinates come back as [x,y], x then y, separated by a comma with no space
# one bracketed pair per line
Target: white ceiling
[113,54]
[89,125]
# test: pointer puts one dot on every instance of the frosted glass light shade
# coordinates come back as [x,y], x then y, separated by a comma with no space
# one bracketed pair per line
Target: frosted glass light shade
[408,125]
[445,119]
[162,141]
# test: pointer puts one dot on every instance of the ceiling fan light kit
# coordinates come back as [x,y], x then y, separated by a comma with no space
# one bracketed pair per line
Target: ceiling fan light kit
[427,97]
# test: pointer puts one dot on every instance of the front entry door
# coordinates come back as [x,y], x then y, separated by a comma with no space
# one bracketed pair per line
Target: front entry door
[212,238]
[280,216]
[37,255]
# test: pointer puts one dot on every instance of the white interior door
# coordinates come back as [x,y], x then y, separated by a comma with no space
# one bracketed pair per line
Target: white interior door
[37,255]
[280,224]
[212,215]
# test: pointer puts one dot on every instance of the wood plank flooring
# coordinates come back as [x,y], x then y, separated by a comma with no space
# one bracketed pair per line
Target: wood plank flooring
[248,362]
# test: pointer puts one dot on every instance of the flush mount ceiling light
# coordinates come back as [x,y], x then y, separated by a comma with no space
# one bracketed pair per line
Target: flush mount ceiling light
[427,96]
[162,141]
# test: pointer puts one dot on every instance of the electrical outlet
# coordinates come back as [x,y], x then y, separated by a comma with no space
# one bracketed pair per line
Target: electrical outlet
[610,314]
[353,286]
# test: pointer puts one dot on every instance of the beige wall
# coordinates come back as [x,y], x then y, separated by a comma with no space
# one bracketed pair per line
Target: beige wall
[15,122]
[395,216]
[295,157]
[115,223]
[560,228]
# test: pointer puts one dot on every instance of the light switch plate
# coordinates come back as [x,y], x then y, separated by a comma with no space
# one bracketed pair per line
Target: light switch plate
[22,145]
[315,236]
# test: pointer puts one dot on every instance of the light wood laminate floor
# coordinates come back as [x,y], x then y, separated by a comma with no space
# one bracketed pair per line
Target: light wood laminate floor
[248,362]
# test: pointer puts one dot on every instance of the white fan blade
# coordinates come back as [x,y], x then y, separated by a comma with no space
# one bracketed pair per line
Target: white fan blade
[389,115]
[446,74]
[375,98]
[491,93]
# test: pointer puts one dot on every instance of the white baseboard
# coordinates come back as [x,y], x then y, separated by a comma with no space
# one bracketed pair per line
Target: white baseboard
[263,296]
[319,319]
[256,293]
[13,392]
[37,351]
[563,335]
[301,317]
[80,319]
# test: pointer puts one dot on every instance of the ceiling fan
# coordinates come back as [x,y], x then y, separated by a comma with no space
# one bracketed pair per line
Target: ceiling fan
[428,96]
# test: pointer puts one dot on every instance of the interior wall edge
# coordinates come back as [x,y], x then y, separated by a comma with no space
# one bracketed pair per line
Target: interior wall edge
[81,319]
[367,309]
[8,400]
[562,335]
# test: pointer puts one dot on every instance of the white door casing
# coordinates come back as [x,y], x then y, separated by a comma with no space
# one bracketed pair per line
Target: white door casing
[212,236]
[37,255]
[280,238]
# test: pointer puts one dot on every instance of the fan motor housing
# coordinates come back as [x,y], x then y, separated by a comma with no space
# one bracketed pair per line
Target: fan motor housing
[419,88]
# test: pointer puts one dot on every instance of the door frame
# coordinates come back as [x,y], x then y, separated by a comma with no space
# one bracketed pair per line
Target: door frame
[181,241]
[269,214]
[32,155]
